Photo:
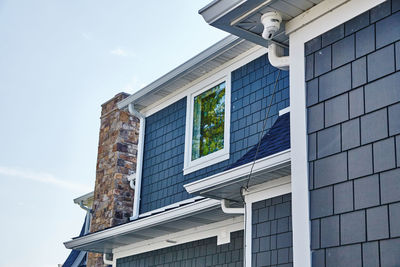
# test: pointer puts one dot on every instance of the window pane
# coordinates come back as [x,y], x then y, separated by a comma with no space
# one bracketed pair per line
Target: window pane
[208,122]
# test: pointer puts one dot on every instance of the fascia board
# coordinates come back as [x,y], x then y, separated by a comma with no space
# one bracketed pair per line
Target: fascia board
[140,224]
[196,61]
[218,8]
[229,176]
[312,14]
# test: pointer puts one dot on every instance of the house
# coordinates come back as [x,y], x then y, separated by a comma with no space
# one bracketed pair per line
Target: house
[277,146]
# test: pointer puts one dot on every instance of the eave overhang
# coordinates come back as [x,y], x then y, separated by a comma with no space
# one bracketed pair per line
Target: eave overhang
[86,200]
[242,17]
[228,184]
[194,69]
[199,213]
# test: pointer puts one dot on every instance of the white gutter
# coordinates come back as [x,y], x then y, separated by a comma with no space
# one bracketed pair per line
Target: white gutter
[226,209]
[237,174]
[276,58]
[137,183]
[144,223]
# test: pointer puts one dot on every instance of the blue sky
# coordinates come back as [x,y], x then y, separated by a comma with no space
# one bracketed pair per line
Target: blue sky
[59,61]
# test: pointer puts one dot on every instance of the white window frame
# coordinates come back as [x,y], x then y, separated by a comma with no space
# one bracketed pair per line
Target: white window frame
[222,154]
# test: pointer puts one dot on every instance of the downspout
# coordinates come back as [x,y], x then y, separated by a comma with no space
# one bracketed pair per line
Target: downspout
[84,207]
[136,183]
[107,261]
[276,58]
[228,210]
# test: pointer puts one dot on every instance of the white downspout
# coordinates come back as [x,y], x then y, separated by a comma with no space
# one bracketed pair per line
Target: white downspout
[276,58]
[228,210]
[137,182]
[107,261]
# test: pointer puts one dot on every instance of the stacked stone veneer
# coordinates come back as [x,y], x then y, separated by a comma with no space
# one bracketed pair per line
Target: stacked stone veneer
[353,98]
[113,197]
[199,253]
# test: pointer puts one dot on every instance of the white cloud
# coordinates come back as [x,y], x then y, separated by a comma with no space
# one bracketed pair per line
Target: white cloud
[121,52]
[45,178]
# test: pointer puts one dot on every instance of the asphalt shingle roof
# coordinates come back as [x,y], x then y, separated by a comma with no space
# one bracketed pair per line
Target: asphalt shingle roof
[75,253]
[277,139]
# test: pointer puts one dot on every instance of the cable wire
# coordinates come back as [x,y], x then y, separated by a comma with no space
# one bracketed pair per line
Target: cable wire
[260,138]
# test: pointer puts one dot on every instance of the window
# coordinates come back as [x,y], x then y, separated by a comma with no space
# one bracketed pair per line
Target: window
[207,125]
[208,122]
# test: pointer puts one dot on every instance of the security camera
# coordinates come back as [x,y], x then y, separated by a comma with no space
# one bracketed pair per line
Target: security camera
[272,22]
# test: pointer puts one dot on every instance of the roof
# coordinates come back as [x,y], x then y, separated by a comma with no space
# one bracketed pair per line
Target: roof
[272,162]
[188,72]
[277,139]
[186,216]
[86,200]
[242,17]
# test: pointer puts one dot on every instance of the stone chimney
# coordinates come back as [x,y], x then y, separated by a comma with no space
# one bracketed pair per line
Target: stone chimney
[116,159]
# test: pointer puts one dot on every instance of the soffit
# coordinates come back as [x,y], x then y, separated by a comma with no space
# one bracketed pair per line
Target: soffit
[200,213]
[242,17]
[86,200]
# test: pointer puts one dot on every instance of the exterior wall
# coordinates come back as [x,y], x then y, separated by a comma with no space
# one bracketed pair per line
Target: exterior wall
[198,253]
[353,105]
[162,182]
[272,232]
[251,90]
[113,197]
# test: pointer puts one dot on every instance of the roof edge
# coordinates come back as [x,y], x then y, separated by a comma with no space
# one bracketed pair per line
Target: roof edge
[83,197]
[133,226]
[234,174]
[218,8]
[187,66]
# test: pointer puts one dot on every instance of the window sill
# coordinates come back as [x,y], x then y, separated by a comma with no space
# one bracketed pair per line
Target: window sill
[206,161]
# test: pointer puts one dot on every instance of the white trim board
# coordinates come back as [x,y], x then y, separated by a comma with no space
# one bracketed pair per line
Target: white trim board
[218,229]
[298,116]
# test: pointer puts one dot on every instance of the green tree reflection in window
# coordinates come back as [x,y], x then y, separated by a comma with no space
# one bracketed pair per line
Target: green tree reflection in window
[208,122]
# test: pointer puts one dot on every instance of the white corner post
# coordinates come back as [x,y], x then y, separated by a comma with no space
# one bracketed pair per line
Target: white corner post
[321,18]
[298,136]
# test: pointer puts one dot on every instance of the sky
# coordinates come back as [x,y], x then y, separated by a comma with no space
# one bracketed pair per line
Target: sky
[59,61]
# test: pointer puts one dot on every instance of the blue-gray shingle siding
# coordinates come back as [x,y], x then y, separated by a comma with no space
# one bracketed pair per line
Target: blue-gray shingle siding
[251,92]
[272,232]
[353,141]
